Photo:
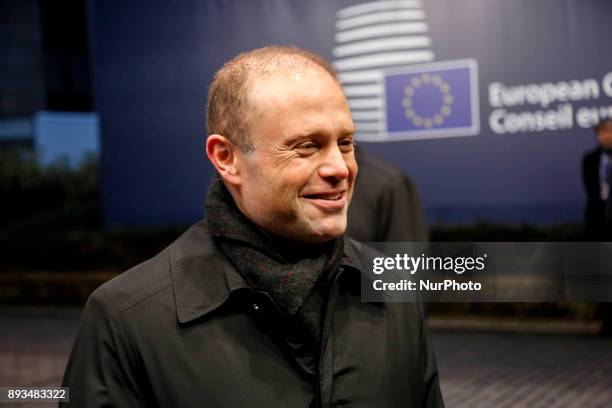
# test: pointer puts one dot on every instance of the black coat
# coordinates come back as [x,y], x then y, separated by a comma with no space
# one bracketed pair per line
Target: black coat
[594,213]
[184,330]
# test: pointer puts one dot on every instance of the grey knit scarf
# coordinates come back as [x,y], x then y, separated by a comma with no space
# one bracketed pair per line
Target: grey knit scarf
[296,276]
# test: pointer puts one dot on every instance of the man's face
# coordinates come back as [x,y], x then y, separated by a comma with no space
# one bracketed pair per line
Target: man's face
[298,180]
[604,134]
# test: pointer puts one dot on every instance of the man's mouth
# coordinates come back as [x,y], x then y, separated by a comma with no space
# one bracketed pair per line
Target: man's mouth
[327,196]
[328,201]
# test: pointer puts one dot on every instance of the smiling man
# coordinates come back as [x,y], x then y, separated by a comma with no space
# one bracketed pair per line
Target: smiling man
[290,165]
[259,304]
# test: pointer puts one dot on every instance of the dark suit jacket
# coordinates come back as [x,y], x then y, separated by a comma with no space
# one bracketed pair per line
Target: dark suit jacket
[594,214]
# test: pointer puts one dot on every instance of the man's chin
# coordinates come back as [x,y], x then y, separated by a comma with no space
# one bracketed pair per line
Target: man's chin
[310,227]
[329,232]
[309,235]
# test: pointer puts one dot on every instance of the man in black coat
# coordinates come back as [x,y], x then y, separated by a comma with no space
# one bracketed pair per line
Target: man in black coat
[597,177]
[259,304]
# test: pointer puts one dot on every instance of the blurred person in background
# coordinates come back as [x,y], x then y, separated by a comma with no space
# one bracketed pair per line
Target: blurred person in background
[597,177]
[385,205]
[259,304]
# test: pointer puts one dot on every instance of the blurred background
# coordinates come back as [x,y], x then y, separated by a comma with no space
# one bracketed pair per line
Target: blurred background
[102,128]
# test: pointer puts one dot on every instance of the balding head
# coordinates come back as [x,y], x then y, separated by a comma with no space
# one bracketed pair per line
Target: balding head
[229,106]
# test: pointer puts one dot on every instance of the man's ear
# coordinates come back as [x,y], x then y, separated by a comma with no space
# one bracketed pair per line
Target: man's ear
[223,154]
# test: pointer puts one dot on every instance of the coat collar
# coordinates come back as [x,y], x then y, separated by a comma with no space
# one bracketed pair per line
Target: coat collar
[203,278]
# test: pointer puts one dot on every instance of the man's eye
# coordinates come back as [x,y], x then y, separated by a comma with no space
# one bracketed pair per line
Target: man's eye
[306,146]
[347,144]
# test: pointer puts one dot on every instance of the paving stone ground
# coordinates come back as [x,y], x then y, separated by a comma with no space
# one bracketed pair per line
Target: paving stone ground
[477,369]
[34,347]
[524,370]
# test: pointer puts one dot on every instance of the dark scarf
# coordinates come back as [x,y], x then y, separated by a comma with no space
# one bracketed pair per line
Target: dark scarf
[296,276]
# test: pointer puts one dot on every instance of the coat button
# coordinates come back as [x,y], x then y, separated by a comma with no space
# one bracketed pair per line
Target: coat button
[256,311]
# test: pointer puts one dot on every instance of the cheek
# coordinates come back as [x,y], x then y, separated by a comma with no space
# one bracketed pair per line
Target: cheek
[280,192]
[259,192]
[298,177]
[353,168]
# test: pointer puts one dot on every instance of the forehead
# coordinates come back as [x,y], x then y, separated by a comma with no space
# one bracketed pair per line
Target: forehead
[299,93]
[293,86]
[299,101]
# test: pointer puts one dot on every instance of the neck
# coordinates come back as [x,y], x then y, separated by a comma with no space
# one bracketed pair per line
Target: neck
[295,250]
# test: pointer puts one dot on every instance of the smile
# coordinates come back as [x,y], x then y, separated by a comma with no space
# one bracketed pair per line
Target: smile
[336,196]
[327,201]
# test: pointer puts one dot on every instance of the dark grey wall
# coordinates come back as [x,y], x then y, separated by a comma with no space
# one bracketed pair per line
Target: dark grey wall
[22,87]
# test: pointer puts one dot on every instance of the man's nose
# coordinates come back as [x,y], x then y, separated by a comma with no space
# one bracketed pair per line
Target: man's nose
[334,165]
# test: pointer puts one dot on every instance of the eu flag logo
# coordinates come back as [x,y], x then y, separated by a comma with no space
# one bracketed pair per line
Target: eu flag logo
[433,100]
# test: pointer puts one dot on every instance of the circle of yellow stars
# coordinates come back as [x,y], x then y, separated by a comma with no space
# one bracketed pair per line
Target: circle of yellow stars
[445,109]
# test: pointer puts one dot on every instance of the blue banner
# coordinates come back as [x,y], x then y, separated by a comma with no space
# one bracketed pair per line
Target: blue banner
[522,82]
